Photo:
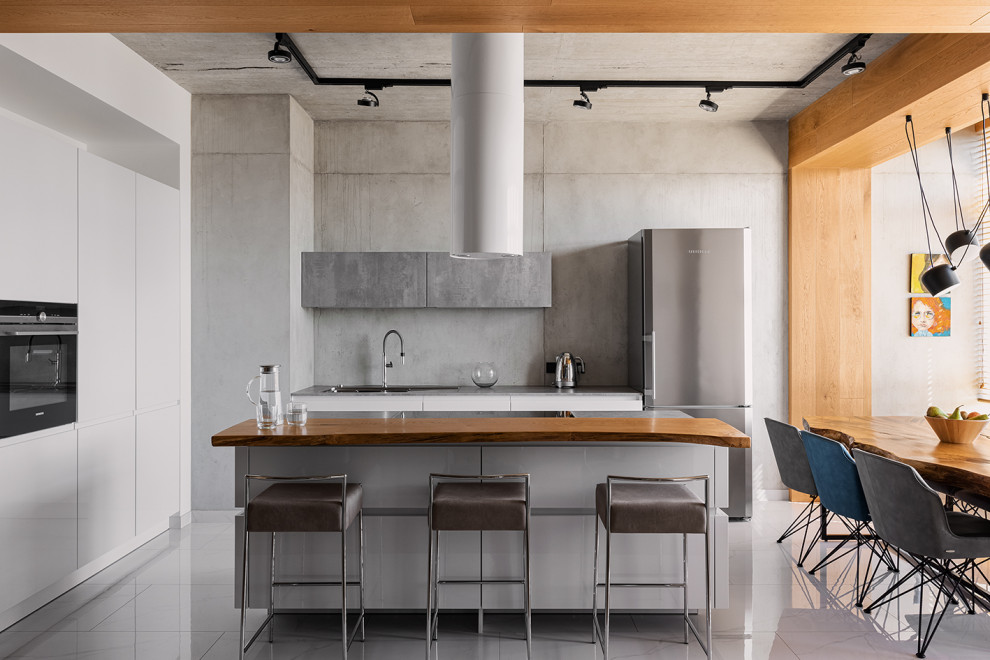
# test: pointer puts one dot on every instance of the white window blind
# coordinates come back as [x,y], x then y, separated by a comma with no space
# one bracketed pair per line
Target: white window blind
[982,289]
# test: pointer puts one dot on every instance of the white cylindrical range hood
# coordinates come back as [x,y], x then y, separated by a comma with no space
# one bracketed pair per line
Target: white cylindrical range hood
[486,145]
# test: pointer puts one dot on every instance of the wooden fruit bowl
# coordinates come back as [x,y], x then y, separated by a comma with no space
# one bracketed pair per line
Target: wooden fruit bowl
[957,431]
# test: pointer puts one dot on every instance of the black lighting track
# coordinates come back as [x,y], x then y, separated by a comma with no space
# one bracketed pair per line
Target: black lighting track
[851,46]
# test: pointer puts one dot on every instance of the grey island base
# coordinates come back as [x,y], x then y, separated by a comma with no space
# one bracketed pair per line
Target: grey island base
[564,474]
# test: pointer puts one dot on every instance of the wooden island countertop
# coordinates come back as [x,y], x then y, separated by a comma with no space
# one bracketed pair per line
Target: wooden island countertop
[521,430]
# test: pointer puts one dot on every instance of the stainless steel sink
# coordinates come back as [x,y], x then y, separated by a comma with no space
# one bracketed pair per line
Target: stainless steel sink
[351,389]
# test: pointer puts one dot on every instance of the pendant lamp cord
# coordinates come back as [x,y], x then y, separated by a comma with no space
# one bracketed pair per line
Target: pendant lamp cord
[957,208]
[926,212]
[984,105]
[984,108]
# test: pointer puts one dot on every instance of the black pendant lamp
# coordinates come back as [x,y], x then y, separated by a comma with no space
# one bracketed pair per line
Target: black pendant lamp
[941,279]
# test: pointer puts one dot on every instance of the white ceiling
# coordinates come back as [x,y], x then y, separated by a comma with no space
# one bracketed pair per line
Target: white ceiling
[238,64]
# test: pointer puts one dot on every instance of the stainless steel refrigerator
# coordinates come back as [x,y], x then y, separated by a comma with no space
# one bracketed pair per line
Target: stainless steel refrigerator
[690,333]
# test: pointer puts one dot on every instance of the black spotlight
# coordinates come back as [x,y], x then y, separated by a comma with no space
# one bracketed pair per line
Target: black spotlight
[853,66]
[279,56]
[707,104]
[956,245]
[583,102]
[940,279]
[369,100]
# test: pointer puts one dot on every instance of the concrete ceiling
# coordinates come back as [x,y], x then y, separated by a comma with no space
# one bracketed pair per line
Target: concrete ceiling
[237,64]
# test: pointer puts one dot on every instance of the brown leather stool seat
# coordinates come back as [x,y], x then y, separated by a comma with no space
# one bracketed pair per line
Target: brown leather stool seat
[650,508]
[302,507]
[484,506]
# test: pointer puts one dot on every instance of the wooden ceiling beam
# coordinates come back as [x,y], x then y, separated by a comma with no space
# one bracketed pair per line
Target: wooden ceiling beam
[661,16]
[936,78]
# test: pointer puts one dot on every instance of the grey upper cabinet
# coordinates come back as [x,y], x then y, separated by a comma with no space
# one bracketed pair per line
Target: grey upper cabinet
[364,279]
[517,282]
[423,279]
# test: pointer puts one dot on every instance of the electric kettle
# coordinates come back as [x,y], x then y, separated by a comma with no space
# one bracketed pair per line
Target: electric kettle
[568,368]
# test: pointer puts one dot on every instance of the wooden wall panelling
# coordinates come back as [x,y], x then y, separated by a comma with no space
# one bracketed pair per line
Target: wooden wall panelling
[937,78]
[837,16]
[829,292]
[853,311]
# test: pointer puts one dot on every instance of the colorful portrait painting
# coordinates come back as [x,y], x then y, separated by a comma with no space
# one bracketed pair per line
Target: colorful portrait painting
[930,317]
[919,264]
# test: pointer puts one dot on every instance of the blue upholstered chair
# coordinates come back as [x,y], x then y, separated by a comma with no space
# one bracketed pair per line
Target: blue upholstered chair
[841,492]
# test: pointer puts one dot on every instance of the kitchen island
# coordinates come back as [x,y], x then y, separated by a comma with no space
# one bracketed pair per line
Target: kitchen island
[566,456]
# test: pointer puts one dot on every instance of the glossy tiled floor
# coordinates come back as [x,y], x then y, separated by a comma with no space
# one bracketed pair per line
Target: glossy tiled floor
[172,599]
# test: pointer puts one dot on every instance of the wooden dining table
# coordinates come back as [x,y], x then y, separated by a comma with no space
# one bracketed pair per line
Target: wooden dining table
[912,441]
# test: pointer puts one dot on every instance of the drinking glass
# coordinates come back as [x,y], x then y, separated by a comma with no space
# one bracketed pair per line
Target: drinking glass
[296,414]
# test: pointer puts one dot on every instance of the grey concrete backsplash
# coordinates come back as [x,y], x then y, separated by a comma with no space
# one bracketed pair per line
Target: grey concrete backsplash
[385,186]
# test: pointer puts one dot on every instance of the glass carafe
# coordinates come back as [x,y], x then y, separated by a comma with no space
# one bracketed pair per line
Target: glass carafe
[269,403]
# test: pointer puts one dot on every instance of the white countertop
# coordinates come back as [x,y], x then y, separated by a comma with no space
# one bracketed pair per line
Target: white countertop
[472,390]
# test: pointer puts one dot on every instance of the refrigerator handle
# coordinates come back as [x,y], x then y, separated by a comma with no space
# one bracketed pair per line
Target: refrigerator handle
[652,339]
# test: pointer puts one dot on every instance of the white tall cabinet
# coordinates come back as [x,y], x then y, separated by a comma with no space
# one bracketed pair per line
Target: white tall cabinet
[38,198]
[75,498]
[106,289]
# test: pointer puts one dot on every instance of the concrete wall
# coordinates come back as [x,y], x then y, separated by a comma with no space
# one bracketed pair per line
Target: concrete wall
[252,216]
[384,186]
[912,373]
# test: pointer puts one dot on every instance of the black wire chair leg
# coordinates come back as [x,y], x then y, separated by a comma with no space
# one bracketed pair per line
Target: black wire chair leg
[802,520]
[886,597]
[933,624]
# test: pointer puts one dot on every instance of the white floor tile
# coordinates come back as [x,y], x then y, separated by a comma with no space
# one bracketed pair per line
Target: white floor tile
[107,645]
[174,598]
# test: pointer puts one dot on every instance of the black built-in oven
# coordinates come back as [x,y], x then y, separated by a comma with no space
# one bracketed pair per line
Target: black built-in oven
[37,366]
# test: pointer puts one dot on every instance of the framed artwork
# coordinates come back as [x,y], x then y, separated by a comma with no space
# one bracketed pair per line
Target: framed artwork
[919,264]
[931,317]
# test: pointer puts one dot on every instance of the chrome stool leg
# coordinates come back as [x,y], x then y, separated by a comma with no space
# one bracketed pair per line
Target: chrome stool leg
[608,576]
[430,577]
[343,590]
[361,566]
[684,588]
[244,590]
[271,601]
[594,591]
[529,601]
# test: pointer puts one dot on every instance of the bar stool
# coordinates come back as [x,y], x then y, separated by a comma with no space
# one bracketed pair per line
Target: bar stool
[304,504]
[643,505]
[488,502]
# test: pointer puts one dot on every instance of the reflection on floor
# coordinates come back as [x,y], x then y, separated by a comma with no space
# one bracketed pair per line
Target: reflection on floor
[172,599]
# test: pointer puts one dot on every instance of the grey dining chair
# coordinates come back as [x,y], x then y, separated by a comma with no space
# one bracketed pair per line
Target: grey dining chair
[795,472]
[908,514]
